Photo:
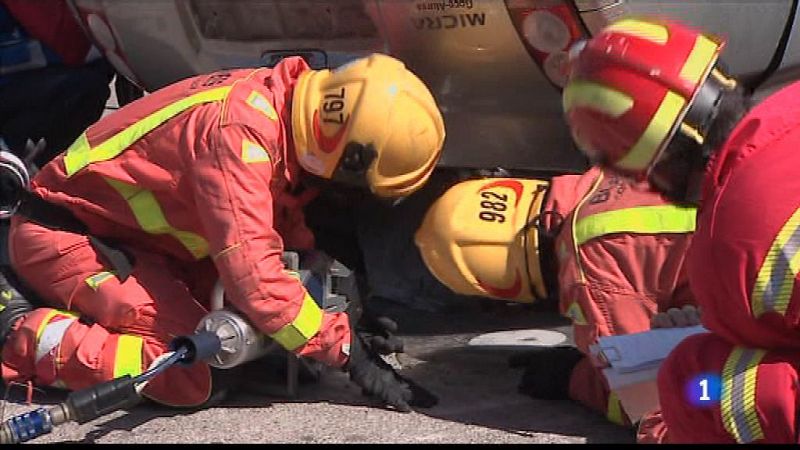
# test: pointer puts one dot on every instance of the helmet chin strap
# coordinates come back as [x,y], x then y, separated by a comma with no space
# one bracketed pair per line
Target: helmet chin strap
[354,164]
[705,106]
[675,171]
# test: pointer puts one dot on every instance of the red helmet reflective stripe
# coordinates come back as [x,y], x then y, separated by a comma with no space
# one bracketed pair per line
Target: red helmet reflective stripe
[630,88]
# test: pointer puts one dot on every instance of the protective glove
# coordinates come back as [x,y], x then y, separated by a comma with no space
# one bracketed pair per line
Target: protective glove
[687,316]
[378,333]
[547,371]
[13,306]
[378,380]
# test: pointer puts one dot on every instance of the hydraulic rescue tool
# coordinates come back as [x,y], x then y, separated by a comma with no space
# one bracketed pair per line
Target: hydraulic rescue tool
[223,338]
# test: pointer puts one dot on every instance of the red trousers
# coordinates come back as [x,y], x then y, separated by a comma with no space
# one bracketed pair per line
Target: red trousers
[588,386]
[755,399]
[122,328]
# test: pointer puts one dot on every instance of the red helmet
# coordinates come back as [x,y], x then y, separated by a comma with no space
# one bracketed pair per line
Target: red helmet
[630,88]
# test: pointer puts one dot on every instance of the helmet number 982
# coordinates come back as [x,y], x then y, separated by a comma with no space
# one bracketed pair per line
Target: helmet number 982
[332,106]
[493,206]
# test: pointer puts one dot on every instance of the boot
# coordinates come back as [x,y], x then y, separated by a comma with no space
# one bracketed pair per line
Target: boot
[547,371]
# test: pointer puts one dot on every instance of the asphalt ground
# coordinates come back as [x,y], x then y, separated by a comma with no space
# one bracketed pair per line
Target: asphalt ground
[477,390]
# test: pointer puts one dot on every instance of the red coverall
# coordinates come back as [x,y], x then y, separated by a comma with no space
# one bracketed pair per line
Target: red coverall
[744,267]
[620,257]
[199,171]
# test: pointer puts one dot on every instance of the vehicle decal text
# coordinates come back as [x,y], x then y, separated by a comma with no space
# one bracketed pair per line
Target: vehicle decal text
[444,5]
[450,21]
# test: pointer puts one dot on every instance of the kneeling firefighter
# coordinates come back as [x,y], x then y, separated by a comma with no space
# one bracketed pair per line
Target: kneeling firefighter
[610,249]
[205,179]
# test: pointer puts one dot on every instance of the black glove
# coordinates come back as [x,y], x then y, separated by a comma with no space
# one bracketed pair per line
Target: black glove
[377,332]
[379,380]
[547,371]
[13,306]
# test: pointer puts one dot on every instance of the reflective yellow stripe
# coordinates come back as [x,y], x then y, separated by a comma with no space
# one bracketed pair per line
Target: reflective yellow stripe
[575,313]
[302,328]
[128,360]
[586,94]
[700,59]
[151,218]
[646,148]
[96,280]
[775,281]
[7,295]
[614,413]
[738,397]
[260,103]
[80,154]
[253,153]
[52,334]
[640,220]
[655,33]
[47,318]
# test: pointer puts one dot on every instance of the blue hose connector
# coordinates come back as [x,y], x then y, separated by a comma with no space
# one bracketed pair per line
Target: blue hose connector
[25,427]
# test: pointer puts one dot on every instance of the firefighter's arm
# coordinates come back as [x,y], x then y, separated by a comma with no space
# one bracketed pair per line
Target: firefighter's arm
[232,190]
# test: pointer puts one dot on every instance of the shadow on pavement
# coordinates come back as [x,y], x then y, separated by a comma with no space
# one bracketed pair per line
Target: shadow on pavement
[477,387]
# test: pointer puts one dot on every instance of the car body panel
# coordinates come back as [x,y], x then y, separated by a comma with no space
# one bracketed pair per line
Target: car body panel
[500,108]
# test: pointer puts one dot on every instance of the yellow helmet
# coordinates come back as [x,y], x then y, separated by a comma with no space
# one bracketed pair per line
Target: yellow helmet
[476,238]
[370,122]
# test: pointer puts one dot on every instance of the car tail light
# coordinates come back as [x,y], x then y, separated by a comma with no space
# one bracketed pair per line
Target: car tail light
[547,28]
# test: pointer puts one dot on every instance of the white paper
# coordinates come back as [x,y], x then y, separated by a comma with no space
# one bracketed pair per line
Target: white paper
[641,351]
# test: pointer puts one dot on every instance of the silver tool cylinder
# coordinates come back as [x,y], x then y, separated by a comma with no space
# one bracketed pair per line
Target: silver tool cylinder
[241,342]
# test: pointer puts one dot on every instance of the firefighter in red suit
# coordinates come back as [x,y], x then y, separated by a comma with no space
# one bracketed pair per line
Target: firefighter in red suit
[650,100]
[203,177]
[609,248]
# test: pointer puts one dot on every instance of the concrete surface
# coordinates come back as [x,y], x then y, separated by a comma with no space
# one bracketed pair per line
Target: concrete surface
[478,400]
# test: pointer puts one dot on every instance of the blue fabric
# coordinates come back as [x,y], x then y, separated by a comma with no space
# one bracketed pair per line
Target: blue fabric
[18,51]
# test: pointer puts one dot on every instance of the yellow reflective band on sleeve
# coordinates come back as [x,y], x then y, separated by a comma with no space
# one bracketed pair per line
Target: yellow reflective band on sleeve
[96,280]
[700,59]
[638,220]
[738,397]
[302,328]
[51,335]
[260,103]
[80,154]
[151,218]
[253,153]
[49,316]
[657,131]
[128,360]
[775,281]
[614,413]
[586,94]
[652,32]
